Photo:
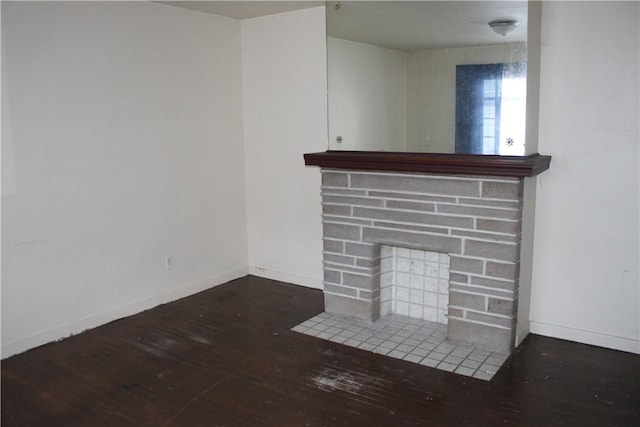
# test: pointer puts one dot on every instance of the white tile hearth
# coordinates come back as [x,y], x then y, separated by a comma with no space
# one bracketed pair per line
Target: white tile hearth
[410,339]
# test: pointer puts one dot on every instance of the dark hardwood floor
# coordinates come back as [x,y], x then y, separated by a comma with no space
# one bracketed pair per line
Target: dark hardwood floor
[226,357]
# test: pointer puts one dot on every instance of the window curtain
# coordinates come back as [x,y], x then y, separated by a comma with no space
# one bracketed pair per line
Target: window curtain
[478,93]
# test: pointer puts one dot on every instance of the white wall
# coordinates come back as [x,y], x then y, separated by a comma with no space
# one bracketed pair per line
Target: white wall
[534,18]
[431,91]
[367,96]
[585,278]
[109,139]
[285,116]
[585,271]
[121,144]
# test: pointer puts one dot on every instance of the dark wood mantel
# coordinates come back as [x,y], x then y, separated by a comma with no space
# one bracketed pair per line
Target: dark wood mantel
[450,164]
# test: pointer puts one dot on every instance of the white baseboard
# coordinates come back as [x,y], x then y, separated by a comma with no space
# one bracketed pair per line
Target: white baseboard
[309,282]
[586,337]
[64,331]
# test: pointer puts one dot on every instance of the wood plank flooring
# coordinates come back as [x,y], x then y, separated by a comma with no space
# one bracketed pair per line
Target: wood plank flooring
[227,357]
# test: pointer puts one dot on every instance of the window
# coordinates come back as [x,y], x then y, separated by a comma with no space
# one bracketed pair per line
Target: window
[490,108]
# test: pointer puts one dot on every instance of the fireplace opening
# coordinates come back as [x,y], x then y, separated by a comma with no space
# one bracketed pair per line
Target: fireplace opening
[414,283]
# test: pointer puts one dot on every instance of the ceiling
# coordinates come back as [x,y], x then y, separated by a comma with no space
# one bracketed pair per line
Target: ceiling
[396,24]
[241,9]
[418,25]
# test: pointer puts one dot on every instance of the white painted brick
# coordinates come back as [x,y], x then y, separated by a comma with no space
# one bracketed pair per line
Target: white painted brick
[477,220]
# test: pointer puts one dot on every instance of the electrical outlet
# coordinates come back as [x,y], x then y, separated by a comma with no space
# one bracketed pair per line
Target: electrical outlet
[168,263]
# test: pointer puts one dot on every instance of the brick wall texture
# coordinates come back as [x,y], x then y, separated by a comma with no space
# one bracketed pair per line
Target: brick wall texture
[476,220]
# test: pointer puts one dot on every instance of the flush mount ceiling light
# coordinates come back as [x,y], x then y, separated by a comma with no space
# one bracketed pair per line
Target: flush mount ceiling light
[503,26]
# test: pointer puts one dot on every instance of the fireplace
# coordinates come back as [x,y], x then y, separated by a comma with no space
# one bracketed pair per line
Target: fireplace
[474,220]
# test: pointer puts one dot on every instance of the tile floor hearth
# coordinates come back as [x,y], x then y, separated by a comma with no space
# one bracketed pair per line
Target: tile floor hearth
[414,340]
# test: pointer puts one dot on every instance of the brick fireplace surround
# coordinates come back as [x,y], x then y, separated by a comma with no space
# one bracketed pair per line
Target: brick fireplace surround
[476,219]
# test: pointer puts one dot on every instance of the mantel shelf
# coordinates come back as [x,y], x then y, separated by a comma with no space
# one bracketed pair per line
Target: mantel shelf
[432,163]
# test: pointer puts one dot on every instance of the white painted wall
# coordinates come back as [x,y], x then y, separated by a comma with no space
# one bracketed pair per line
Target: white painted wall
[431,91]
[534,18]
[367,96]
[121,144]
[107,144]
[585,278]
[285,115]
[586,232]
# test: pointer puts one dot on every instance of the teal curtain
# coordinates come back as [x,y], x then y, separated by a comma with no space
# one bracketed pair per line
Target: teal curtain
[478,93]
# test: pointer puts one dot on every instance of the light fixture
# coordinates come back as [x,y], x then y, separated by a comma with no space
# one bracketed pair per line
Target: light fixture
[503,26]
